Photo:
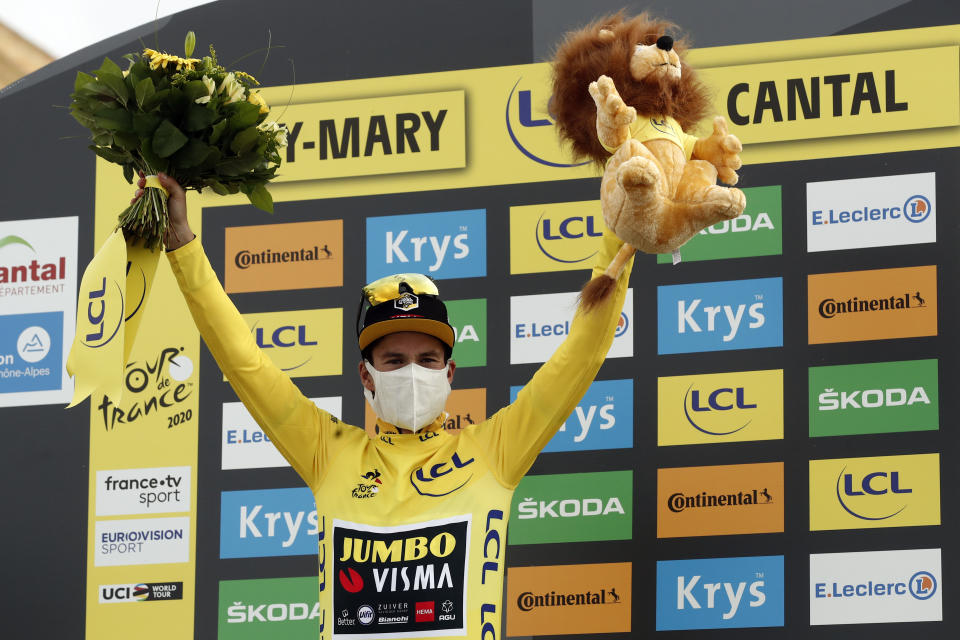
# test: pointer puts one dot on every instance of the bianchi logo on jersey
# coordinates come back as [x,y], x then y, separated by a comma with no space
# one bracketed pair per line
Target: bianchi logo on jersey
[407,581]
[369,485]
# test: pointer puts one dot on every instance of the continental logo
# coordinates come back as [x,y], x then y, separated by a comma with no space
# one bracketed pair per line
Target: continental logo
[465,407]
[866,493]
[530,125]
[839,96]
[275,257]
[563,236]
[720,407]
[382,135]
[720,500]
[301,343]
[872,305]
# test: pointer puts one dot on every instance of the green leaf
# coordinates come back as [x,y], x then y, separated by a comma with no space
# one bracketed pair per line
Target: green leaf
[244,140]
[103,139]
[83,118]
[144,90]
[217,187]
[244,115]
[112,155]
[97,89]
[128,173]
[261,198]
[149,104]
[109,67]
[167,139]
[144,124]
[189,43]
[195,89]
[113,119]
[154,162]
[82,79]
[117,86]
[192,154]
[198,117]
[236,166]
[217,130]
[126,140]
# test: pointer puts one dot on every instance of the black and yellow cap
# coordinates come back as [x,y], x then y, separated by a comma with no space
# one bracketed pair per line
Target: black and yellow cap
[402,302]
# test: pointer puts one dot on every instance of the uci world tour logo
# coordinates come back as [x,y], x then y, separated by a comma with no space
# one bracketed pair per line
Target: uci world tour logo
[534,136]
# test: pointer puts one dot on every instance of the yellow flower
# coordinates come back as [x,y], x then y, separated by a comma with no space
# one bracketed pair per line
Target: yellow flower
[158,60]
[257,99]
[244,74]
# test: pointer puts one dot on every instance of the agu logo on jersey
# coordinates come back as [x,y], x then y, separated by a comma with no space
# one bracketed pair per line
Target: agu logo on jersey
[720,407]
[885,491]
[875,586]
[603,419]
[562,236]
[720,593]
[530,125]
[719,316]
[302,343]
[539,323]
[31,352]
[271,522]
[446,244]
[882,397]
[871,212]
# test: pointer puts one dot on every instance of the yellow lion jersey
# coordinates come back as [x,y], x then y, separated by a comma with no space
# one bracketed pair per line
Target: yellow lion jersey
[412,527]
[663,128]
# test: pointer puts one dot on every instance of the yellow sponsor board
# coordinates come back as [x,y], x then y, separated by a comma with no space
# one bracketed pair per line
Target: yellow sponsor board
[375,136]
[561,236]
[868,493]
[720,407]
[840,96]
[302,343]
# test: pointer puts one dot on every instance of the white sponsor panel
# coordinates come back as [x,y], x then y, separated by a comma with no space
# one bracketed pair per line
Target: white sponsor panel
[875,586]
[539,323]
[122,492]
[872,212]
[144,541]
[38,275]
[246,446]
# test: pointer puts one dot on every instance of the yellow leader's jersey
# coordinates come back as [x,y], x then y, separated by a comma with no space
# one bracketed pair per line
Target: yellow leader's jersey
[663,128]
[412,527]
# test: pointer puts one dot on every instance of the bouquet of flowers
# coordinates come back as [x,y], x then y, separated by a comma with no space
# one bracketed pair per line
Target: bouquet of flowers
[187,117]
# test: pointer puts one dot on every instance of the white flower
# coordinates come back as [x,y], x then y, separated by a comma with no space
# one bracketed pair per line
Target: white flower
[279,133]
[211,87]
[233,89]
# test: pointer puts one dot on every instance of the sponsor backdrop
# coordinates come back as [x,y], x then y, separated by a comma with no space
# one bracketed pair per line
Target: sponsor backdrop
[766,445]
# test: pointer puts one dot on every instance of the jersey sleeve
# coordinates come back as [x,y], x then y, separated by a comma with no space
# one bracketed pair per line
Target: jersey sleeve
[295,425]
[514,436]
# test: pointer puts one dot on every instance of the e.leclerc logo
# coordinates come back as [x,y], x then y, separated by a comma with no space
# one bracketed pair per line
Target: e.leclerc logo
[603,419]
[719,316]
[446,244]
[871,212]
[531,130]
[720,593]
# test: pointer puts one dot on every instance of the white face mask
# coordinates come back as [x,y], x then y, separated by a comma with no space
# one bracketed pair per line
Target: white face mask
[410,397]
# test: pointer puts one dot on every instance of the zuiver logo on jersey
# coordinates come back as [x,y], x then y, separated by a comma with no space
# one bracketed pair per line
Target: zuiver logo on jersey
[302,343]
[603,419]
[446,244]
[884,491]
[875,586]
[720,407]
[270,522]
[720,593]
[562,236]
[379,571]
[539,323]
[883,397]
[573,507]
[871,212]
[718,316]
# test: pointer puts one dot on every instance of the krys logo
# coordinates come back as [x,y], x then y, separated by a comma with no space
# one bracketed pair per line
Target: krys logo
[301,343]
[562,236]
[530,126]
[270,522]
[154,386]
[720,407]
[887,491]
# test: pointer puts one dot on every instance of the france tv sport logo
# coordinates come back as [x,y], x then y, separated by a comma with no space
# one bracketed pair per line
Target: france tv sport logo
[720,593]
[719,316]
[603,419]
[871,212]
[31,352]
[445,244]
[875,586]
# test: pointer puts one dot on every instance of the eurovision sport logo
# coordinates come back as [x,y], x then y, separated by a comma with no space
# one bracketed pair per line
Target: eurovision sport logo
[720,500]
[872,305]
[720,593]
[882,397]
[871,212]
[142,541]
[868,493]
[876,586]
[720,407]
[562,236]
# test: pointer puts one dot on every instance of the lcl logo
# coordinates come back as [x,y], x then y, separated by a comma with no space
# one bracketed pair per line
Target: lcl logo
[285,336]
[877,483]
[423,477]
[101,310]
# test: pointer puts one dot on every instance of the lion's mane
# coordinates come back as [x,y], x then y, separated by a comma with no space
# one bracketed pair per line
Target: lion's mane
[584,56]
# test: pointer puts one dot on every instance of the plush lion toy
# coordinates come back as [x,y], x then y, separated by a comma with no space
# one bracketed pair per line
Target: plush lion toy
[624,97]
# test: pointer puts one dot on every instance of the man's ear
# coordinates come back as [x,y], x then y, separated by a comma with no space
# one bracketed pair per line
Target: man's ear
[452,365]
[365,378]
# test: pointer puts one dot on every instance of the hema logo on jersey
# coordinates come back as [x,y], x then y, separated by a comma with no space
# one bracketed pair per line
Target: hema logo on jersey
[603,419]
[539,323]
[875,586]
[246,446]
[446,244]
[720,407]
[269,522]
[718,316]
[871,212]
[867,493]
[562,236]
[720,593]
